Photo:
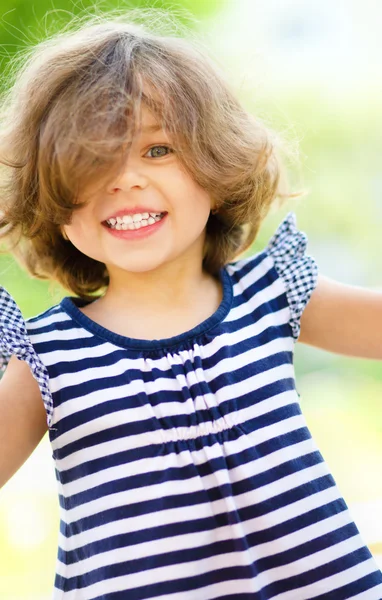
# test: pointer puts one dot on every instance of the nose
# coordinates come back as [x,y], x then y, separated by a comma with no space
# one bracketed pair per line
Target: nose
[131,177]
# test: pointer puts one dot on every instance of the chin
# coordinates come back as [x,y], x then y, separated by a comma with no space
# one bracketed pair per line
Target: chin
[140,266]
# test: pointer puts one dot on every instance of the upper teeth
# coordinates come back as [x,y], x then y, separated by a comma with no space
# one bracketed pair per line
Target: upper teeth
[132,221]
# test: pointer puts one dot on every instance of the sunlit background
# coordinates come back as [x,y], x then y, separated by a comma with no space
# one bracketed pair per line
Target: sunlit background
[312,70]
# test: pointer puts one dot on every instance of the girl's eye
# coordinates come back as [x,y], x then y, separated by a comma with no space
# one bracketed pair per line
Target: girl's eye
[159,151]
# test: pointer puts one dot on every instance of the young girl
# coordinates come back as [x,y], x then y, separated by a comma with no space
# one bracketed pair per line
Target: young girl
[185,468]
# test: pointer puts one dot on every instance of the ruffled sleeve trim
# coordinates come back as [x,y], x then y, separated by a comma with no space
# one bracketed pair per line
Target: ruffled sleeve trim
[297,269]
[14,340]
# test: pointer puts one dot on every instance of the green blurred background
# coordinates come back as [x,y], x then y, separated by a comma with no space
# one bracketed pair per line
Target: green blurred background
[311,70]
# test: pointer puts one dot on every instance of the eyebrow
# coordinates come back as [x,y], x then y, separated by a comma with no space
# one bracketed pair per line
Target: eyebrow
[152,128]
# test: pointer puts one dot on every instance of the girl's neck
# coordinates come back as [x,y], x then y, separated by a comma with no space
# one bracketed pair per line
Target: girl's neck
[157,290]
[157,305]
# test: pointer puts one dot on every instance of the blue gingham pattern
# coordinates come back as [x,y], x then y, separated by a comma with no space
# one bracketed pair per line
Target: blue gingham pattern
[297,269]
[14,340]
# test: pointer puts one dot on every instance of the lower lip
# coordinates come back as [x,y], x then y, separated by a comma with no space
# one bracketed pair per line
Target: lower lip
[136,234]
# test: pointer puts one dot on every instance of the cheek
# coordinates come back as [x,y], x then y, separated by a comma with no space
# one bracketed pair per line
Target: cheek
[194,222]
[200,208]
[83,237]
[75,231]
[82,223]
[195,200]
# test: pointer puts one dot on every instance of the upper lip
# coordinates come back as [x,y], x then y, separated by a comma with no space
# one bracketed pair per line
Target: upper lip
[133,211]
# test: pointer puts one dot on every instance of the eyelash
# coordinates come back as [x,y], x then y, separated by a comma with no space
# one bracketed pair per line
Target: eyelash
[170,150]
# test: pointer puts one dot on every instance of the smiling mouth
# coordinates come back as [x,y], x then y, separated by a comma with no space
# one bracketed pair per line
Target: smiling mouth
[132,222]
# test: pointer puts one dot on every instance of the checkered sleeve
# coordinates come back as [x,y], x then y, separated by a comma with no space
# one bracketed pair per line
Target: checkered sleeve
[14,340]
[297,269]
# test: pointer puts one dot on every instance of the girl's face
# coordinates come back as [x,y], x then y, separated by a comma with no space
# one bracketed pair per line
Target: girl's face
[116,227]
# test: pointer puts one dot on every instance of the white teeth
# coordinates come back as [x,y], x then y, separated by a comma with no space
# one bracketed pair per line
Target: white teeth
[135,221]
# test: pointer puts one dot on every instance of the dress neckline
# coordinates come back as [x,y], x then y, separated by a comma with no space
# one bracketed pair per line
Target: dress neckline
[72,305]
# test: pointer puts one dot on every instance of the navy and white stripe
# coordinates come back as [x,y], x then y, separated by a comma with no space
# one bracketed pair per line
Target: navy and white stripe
[185,467]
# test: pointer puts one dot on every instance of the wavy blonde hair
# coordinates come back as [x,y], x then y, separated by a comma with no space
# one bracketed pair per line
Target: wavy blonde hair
[69,118]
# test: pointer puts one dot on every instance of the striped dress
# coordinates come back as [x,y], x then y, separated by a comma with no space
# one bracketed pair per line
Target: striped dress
[185,467]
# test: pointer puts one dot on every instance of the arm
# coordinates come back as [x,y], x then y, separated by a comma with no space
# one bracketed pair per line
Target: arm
[22,417]
[343,319]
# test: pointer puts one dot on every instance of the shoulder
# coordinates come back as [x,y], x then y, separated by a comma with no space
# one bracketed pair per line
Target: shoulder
[283,268]
[47,320]
[285,254]
[15,341]
[248,270]
[296,268]
[288,245]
